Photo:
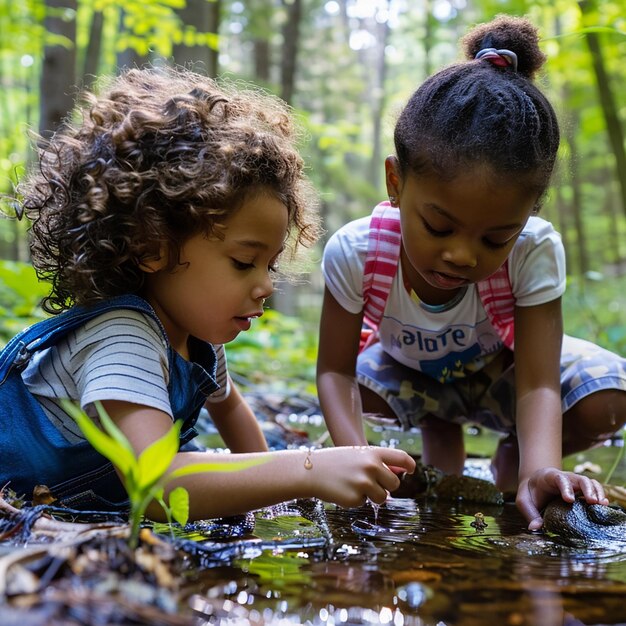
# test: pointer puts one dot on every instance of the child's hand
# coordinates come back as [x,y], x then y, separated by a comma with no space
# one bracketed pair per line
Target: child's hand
[349,476]
[534,493]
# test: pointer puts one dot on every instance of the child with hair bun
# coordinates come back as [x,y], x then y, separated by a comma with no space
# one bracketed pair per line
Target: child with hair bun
[444,306]
[160,212]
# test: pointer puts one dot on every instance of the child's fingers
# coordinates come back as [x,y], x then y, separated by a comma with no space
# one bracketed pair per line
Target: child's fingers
[565,487]
[536,523]
[388,479]
[528,509]
[591,489]
[399,460]
[377,494]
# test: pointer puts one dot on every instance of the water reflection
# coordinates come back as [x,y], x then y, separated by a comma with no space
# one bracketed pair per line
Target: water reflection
[420,563]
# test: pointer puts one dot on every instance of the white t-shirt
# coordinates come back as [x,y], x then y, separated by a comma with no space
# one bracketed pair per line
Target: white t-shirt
[457,338]
[119,355]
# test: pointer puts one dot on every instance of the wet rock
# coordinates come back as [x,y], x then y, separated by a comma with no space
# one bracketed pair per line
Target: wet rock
[582,522]
[429,481]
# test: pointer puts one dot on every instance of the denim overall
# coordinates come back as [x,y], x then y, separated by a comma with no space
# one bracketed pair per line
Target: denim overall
[32,450]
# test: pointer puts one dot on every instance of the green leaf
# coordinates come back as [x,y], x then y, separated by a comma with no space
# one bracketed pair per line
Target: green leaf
[118,454]
[157,457]
[179,505]
[111,428]
[233,466]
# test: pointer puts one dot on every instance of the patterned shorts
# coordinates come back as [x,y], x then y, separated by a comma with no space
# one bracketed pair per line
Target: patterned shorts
[487,397]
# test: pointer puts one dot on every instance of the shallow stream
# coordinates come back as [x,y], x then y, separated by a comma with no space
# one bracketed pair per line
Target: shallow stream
[420,563]
[424,562]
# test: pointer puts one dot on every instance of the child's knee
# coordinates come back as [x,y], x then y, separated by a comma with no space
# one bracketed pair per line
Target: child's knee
[595,418]
[437,426]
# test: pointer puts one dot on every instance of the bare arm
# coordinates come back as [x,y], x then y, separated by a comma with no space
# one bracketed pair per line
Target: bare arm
[538,337]
[346,476]
[236,423]
[338,390]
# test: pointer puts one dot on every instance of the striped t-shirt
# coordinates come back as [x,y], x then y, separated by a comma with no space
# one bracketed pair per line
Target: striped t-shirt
[119,355]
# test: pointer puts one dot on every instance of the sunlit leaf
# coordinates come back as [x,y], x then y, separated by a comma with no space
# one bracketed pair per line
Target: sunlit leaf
[118,454]
[111,428]
[154,461]
[230,466]
[179,505]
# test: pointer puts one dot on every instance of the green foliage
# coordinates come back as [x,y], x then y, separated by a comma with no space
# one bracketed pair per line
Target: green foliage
[593,309]
[337,92]
[278,351]
[283,570]
[145,476]
[20,295]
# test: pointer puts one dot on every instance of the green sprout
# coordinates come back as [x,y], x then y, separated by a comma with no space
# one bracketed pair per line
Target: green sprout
[145,476]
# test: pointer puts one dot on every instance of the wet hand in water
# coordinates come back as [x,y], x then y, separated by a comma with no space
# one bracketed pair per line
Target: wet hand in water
[535,492]
[350,476]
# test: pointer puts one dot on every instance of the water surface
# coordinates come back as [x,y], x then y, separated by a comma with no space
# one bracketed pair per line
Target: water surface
[419,562]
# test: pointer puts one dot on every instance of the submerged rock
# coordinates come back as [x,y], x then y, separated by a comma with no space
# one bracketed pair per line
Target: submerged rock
[581,522]
[427,480]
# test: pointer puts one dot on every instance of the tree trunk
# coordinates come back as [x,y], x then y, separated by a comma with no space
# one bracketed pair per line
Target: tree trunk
[378,104]
[613,236]
[285,298]
[94,47]
[583,258]
[262,60]
[607,101]
[129,57]
[291,36]
[205,16]
[58,75]
[428,36]
[562,212]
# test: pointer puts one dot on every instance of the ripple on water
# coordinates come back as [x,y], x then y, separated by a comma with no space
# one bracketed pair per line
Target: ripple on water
[422,562]
[407,531]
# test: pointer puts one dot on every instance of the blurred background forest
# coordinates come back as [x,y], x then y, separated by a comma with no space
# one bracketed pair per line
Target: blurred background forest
[347,67]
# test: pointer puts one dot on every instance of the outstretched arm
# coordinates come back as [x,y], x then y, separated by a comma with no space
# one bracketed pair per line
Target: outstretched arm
[538,337]
[340,332]
[236,423]
[346,476]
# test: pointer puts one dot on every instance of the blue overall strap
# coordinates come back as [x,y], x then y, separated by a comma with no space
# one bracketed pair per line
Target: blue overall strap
[48,332]
[37,449]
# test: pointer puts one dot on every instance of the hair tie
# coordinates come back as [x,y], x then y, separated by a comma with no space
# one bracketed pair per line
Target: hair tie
[501,58]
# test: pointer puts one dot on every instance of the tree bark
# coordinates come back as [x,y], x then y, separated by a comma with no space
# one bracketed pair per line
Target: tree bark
[562,212]
[94,47]
[428,36]
[262,60]
[378,104]
[58,75]
[583,257]
[205,16]
[291,36]
[613,236]
[607,101]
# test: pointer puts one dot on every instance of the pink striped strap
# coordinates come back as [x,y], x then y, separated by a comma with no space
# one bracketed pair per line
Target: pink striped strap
[499,303]
[381,265]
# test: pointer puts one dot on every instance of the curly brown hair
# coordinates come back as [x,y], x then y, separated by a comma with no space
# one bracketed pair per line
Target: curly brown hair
[157,157]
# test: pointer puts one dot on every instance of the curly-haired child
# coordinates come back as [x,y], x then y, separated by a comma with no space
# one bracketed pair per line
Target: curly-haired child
[464,283]
[159,212]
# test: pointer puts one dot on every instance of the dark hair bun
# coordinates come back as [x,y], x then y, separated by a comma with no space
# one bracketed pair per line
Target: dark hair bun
[516,34]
